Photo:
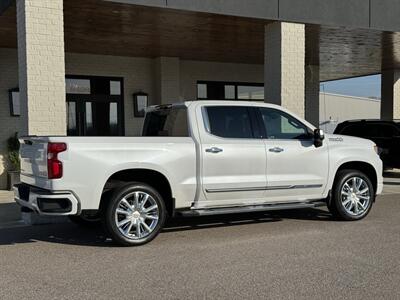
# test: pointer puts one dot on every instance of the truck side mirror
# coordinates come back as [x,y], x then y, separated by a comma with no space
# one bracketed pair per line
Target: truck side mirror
[319,136]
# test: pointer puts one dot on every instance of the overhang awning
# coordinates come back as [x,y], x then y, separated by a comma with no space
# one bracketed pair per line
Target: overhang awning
[101,27]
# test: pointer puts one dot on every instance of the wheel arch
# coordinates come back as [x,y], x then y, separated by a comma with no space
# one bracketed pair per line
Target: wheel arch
[152,177]
[362,166]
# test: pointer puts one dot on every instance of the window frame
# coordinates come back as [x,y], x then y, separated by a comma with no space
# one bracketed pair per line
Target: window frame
[94,97]
[236,84]
[264,131]
[254,124]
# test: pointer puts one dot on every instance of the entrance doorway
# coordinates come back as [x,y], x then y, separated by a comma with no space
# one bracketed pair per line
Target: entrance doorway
[94,106]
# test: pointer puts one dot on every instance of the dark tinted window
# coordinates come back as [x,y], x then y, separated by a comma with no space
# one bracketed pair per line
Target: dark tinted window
[353,130]
[229,121]
[280,125]
[166,122]
[380,130]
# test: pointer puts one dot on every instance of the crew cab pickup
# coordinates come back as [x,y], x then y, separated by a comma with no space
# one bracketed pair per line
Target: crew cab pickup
[198,158]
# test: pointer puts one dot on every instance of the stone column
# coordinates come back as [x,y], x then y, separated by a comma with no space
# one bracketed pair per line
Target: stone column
[40,25]
[390,104]
[285,65]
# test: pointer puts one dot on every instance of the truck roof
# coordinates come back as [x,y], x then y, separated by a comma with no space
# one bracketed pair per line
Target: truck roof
[213,102]
[233,102]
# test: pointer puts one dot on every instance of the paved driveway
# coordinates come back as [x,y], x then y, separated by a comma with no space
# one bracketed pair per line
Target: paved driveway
[290,255]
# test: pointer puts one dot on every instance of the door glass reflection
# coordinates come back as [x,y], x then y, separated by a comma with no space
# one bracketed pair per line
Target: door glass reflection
[71,119]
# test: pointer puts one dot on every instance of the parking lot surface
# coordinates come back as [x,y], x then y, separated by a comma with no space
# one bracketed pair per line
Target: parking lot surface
[293,254]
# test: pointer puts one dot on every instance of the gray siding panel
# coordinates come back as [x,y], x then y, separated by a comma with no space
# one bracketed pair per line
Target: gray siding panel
[249,8]
[385,14]
[353,13]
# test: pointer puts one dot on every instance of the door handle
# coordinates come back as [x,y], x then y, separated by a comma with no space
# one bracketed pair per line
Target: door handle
[276,150]
[214,150]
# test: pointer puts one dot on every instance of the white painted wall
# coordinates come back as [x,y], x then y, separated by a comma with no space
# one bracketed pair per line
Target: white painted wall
[334,109]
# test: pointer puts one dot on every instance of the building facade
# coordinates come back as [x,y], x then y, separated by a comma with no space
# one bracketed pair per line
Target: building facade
[77,64]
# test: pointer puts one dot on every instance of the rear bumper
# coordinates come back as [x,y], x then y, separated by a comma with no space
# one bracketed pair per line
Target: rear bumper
[45,202]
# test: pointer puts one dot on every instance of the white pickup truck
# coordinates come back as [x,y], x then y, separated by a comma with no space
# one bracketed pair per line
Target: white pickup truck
[198,158]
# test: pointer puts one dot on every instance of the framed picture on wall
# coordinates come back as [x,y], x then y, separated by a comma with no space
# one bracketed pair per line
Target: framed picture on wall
[140,102]
[15,104]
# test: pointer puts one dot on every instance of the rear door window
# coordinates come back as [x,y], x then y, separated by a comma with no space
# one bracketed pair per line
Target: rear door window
[229,121]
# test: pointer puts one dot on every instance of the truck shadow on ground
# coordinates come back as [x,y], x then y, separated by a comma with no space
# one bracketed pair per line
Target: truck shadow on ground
[391,174]
[391,178]
[71,234]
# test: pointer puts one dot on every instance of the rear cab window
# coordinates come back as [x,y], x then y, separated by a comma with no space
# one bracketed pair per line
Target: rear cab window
[167,121]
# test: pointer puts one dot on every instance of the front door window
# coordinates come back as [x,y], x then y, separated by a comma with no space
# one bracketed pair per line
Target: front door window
[94,106]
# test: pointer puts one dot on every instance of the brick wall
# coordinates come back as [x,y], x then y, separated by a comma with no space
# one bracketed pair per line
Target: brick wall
[8,125]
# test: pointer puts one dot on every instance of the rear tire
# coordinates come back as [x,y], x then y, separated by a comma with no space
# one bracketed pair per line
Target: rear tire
[134,215]
[352,196]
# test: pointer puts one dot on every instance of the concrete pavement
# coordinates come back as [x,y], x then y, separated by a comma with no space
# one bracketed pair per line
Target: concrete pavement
[10,213]
[286,255]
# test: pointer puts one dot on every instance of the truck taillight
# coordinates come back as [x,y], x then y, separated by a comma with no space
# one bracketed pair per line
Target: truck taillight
[54,166]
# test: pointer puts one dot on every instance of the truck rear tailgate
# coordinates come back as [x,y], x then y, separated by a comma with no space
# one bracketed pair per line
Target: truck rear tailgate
[33,157]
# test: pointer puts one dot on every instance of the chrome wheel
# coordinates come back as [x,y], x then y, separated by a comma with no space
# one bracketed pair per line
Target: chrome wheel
[137,215]
[355,196]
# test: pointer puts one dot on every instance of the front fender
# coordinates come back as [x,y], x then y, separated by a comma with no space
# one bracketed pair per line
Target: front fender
[354,155]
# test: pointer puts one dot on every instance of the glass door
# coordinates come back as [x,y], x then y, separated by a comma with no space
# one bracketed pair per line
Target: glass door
[94,106]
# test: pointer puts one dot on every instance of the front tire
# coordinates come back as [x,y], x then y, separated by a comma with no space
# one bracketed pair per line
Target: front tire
[135,214]
[352,196]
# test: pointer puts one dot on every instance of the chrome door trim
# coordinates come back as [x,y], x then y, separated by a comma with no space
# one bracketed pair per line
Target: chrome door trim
[264,188]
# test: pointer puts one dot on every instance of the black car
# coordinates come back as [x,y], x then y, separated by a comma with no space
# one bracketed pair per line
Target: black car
[385,134]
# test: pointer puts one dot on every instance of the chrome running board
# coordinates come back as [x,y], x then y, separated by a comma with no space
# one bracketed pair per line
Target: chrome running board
[249,208]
